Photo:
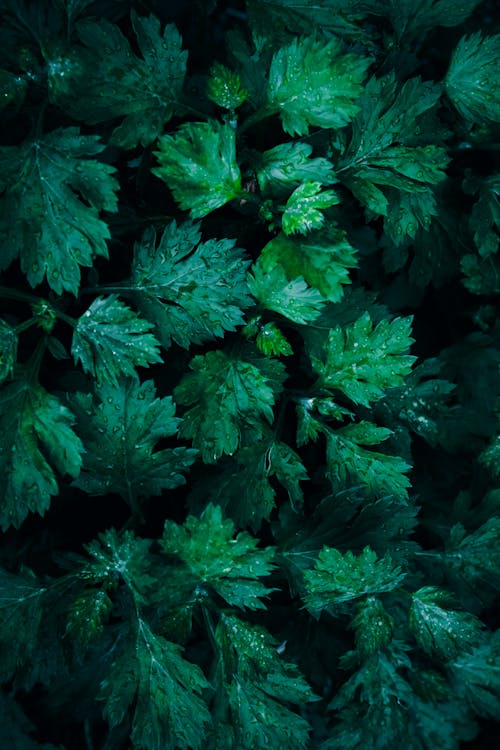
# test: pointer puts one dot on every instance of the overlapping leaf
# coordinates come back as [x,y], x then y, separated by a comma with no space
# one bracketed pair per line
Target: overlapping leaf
[151,679]
[52,196]
[256,688]
[244,486]
[37,442]
[363,361]
[438,627]
[392,161]
[322,258]
[104,79]
[472,80]
[311,82]
[292,298]
[199,165]
[288,165]
[111,340]
[192,291]
[120,427]
[218,557]
[338,578]
[230,399]
[351,462]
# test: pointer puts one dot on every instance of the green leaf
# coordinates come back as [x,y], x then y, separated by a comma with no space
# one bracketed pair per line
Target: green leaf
[484,220]
[36,441]
[349,462]
[50,206]
[310,425]
[438,627]
[322,258]
[104,79]
[490,457]
[288,165]
[199,165]
[192,291]
[13,89]
[120,557]
[111,340]
[472,80]
[120,428]
[476,678]
[272,342]
[422,403]
[255,687]
[303,208]
[373,626]
[21,616]
[87,615]
[312,83]
[363,361]
[220,558]
[472,561]
[392,164]
[293,299]
[481,275]
[224,87]
[8,350]
[378,702]
[337,578]
[229,399]
[151,679]
[244,486]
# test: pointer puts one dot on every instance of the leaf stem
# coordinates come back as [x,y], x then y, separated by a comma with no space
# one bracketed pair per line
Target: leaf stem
[14,294]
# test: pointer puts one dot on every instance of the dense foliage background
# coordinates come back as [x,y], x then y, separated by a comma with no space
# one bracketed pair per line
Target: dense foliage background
[249,367]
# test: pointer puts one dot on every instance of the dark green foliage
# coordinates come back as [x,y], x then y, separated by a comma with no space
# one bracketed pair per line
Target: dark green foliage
[249,375]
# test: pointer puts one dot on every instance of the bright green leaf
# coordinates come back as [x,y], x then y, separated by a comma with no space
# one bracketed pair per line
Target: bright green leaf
[199,165]
[303,208]
[363,361]
[272,342]
[220,558]
[288,165]
[312,83]
[338,578]
[293,299]
[322,258]
[224,87]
